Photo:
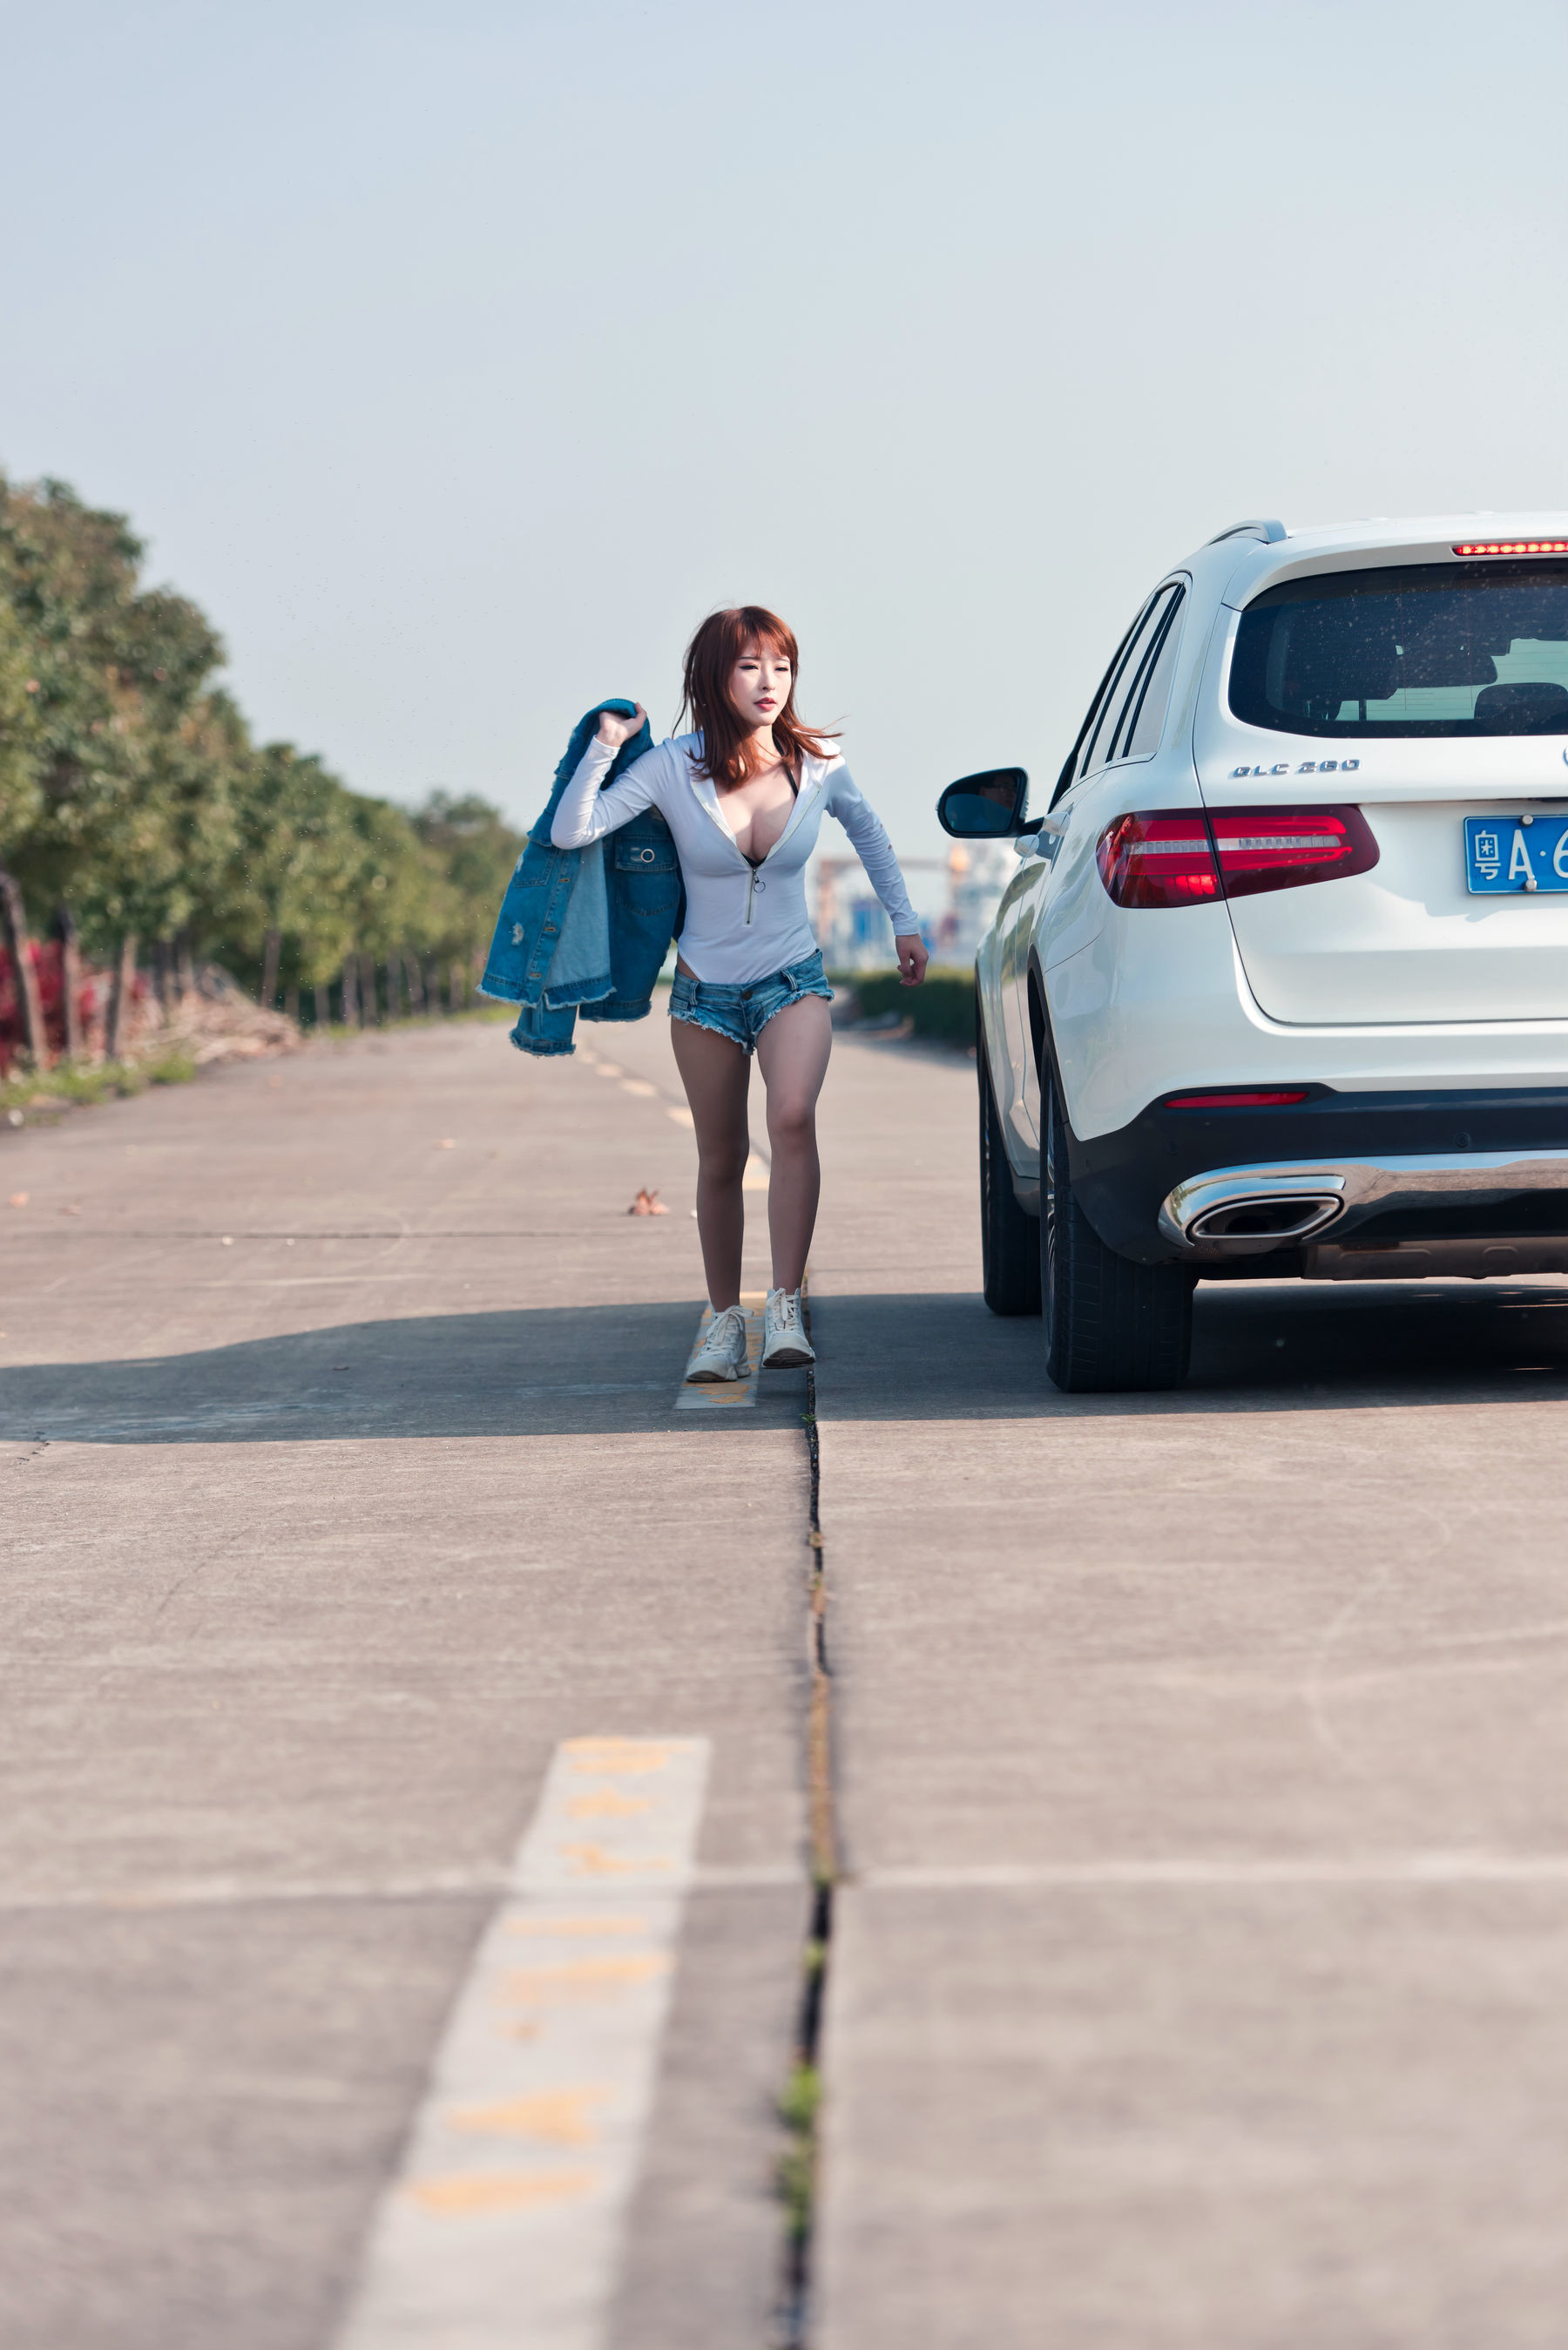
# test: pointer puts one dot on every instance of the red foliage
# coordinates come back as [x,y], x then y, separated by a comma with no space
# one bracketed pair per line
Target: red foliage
[47,958]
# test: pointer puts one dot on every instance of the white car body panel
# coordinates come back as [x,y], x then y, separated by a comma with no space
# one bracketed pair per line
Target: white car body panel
[1406,942]
[1123,1038]
[1396,978]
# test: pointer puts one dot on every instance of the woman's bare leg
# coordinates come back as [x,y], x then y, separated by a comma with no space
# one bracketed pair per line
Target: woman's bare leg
[792,1052]
[715,1073]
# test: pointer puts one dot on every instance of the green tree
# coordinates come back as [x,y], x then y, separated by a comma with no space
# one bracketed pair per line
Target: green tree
[292,873]
[21,765]
[402,894]
[117,780]
[476,849]
[130,790]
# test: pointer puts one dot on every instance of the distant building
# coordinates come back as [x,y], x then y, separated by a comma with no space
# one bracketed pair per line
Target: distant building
[955,898]
[978,873]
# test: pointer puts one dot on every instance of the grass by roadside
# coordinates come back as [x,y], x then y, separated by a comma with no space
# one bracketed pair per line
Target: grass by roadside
[83,1085]
[80,1083]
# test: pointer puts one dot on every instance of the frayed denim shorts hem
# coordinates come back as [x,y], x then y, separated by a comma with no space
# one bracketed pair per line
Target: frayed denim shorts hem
[741,1014]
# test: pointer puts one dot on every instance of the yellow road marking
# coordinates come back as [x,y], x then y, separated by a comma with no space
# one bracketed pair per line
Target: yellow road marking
[609,1803]
[492,2239]
[593,1860]
[461,2197]
[582,1978]
[628,1757]
[591,1928]
[558,2116]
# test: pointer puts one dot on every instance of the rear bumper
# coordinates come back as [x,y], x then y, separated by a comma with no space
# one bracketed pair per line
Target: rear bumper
[1235,1212]
[1220,1186]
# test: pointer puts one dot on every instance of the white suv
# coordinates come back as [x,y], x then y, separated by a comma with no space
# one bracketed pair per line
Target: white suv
[1282,986]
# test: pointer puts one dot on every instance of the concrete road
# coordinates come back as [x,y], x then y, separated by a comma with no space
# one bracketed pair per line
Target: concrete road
[1198,1948]
[341,1484]
[1202,1766]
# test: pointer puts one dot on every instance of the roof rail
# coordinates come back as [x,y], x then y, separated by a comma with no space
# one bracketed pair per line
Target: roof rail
[1271,532]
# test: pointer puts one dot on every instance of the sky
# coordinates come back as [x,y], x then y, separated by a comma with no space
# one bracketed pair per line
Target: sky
[457,359]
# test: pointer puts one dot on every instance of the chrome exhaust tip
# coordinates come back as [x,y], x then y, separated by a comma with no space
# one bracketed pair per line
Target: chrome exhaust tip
[1248,1211]
[1272,1220]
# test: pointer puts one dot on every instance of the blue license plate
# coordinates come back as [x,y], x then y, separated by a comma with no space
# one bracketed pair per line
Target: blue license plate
[1504,853]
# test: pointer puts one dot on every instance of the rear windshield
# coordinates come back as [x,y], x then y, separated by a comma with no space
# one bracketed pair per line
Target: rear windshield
[1426,649]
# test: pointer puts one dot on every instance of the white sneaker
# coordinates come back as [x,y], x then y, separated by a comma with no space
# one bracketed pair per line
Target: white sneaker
[786,1347]
[723,1353]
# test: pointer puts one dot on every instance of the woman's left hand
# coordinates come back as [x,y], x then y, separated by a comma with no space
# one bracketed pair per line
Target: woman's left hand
[912,958]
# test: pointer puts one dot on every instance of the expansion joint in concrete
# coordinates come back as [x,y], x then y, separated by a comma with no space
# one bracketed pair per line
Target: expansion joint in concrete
[799,2104]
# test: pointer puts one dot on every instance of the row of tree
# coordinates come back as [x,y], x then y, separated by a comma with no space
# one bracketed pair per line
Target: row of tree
[132,795]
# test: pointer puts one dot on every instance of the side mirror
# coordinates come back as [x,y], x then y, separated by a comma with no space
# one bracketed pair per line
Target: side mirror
[985,807]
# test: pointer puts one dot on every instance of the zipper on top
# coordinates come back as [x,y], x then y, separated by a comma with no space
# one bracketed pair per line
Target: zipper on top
[712,808]
[752,884]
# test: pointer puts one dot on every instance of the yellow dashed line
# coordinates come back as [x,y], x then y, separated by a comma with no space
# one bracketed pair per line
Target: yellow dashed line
[462,2197]
[591,1929]
[490,2239]
[592,1860]
[608,1804]
[558,2116]
[626,1756]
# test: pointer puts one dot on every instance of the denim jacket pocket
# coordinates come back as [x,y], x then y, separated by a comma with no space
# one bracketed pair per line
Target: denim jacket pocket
[645,882]
[644,853]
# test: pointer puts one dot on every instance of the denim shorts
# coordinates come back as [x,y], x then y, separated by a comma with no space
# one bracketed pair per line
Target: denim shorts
[743,1012]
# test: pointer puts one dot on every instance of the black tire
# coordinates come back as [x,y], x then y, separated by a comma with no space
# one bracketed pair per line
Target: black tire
[1111,1326]
[1009,1239]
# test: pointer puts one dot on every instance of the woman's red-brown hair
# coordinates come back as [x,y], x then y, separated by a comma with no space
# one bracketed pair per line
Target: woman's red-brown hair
[710,659]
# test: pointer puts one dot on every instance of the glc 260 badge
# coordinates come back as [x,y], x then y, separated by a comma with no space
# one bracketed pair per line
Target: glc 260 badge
[1307,767]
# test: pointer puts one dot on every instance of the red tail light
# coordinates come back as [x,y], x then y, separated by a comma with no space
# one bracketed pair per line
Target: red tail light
[1238,1097]
[1161,859]
[1165,856]
[1281,848]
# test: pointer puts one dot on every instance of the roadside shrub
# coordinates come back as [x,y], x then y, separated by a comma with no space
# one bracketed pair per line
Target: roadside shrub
[943,1008]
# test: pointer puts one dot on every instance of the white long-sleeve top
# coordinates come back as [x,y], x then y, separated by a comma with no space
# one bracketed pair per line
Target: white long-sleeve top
[741,922]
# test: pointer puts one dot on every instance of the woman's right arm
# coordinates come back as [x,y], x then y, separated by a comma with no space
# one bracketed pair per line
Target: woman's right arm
[585,812]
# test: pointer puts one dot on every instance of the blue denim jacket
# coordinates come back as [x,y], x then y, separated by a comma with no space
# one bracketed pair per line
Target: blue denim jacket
[586,930]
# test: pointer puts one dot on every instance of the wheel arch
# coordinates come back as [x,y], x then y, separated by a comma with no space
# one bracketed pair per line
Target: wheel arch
[1048,1070]
[1040,1028]
[987,1019]
[991,1041]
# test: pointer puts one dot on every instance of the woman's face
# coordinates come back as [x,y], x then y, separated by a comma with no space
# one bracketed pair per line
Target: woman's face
[758,685]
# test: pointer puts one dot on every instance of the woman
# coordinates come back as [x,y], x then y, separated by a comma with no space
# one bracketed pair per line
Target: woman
[744,796]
